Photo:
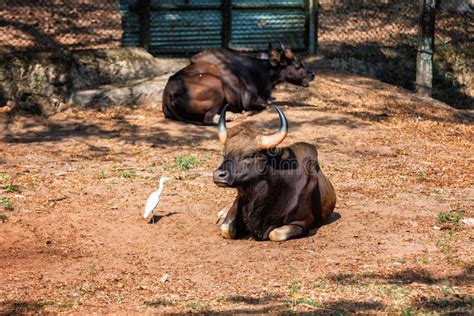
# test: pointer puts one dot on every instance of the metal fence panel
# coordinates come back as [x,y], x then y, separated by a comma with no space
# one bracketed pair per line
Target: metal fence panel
[253,29]
[188,26]
[130,23]
[185,3]
[184,31]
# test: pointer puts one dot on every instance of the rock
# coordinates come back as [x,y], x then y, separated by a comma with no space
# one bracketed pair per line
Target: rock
[39,104]
[93,78]
[468,221]
[90,69]
[139,92]
[164,278]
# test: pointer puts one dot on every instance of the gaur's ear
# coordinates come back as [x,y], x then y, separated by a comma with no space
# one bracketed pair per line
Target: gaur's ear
[274,58]
[269,47]
[288,54]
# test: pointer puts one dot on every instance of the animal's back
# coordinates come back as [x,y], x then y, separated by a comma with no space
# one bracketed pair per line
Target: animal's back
[247,68]
[221,55]
[192,93]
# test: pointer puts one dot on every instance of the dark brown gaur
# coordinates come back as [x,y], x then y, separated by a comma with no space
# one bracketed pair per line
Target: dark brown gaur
[282,192]
[216,77]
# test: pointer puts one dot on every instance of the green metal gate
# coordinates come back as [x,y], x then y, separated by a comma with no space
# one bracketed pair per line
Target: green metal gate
[188,26]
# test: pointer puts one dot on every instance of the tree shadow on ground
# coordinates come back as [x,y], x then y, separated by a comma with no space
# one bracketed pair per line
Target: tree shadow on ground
[251,300]
[44,130]
[395,65]
[340,112]
[455,304]
[20,308]
[382,109]
[331,120]
[406,277]
[328,120]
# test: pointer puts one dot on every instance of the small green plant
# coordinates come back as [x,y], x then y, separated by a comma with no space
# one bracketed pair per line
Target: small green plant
[421,175]
[186,162]
[12,188]
[444,243]
[408,311]
[449,217]
[3,218]
[7,204]
[319,285]
[91,271]
[437,191]
[128,174]
[102,175]
[295,287]
[4,176]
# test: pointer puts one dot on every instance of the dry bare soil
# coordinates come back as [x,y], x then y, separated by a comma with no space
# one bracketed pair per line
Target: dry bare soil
[73,188]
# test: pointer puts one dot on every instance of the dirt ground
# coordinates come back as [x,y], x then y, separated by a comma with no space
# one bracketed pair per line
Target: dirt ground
[75,240]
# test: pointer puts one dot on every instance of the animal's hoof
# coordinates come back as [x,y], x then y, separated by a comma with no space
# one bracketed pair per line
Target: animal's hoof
[275,236]
[221,215]
[228,230]
[283,233]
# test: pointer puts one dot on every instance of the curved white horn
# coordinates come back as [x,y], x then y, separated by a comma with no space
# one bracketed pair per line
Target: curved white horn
[271,141]
[222,129]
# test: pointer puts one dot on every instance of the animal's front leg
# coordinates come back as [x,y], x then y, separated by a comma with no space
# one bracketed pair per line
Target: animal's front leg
[251,101]
[286,232]
[299,227]
[230,224]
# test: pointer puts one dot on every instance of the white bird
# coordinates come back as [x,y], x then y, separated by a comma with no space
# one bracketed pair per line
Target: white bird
[153,200]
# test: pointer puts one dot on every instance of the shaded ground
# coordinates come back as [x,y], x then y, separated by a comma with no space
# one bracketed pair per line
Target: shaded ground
[75,240]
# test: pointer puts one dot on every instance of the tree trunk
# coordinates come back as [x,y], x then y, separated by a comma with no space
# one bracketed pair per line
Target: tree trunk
[424,58]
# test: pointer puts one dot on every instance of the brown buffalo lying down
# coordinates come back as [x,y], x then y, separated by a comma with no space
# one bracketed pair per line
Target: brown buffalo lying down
[281,192]
[197,93]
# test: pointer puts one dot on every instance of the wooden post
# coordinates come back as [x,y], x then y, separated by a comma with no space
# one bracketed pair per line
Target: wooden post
[424,58]
[313,26]
[144,8]
[226,23]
